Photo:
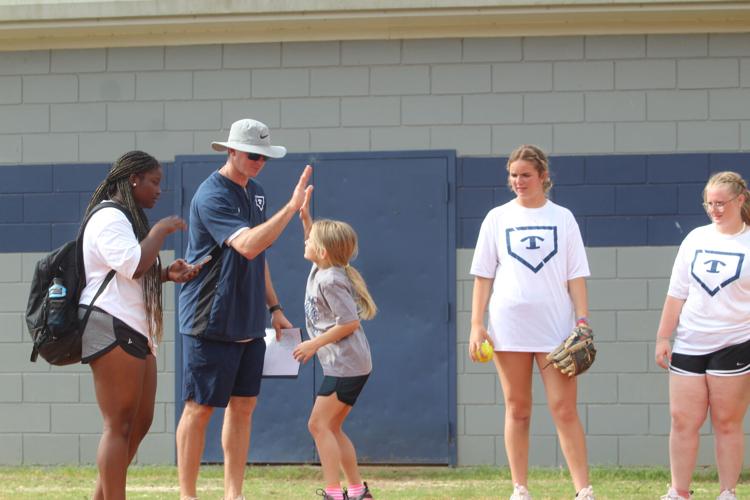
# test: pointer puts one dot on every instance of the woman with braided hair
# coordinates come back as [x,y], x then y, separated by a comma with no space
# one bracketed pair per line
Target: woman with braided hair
[708,306]
[125,325]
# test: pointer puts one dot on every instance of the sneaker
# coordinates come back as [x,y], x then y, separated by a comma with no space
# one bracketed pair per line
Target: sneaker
[727,495]
[365,495]
[672,495]
[326,496]
[586,493]
[520,493]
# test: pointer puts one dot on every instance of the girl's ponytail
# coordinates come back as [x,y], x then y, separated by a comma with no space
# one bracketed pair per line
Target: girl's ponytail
[340,243]
[367,307]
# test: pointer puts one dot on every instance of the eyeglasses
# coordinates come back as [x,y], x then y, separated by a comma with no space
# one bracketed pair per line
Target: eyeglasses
[719,206]
[256,157]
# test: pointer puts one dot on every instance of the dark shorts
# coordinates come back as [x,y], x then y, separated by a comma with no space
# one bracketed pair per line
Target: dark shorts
[104,332]
[214,371]
[730,361]
[347,389]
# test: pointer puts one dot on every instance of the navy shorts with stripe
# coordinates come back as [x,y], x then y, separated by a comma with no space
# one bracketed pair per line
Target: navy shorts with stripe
[727,362]
[214,371]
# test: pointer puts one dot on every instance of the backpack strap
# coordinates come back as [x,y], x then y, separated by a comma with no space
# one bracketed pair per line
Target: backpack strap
[90,307]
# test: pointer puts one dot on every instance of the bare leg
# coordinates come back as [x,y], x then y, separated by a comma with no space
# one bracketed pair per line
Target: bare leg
[346,448]
[514,370]
[728,400]
[688,405]
[325,419]
[562,394]
[144,417]
[118,382]
[235,440]
[191,437]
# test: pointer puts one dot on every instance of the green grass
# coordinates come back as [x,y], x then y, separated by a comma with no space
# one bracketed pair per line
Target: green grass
[299,482]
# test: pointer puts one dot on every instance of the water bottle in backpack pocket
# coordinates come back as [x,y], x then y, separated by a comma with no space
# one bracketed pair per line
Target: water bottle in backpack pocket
[56,297]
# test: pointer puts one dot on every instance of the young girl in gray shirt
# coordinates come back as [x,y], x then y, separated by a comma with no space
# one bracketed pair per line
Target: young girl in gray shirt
[336,298]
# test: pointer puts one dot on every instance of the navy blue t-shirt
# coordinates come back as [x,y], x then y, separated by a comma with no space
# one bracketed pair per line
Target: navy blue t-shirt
[227,300]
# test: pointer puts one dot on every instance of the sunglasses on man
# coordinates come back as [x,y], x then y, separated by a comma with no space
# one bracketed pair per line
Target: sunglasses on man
[256,157]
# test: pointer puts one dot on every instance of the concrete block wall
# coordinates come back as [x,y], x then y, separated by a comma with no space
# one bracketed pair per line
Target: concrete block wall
[570,95]
[48,414]
[575,96]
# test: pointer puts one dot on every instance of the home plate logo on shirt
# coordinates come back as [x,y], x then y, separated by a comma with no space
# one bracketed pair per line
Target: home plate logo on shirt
[260,202]
[532,245]
[714,270]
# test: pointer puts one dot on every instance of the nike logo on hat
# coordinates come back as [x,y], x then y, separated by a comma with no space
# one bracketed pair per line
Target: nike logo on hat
[263,136]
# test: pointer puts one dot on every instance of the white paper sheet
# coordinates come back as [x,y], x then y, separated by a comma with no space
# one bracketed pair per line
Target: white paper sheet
[279,361]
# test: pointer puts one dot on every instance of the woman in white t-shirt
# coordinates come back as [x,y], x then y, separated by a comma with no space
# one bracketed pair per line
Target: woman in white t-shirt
[530,267]
[119,341]
[708,305]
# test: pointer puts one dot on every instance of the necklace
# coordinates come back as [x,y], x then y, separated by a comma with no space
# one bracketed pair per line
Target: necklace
[742,230]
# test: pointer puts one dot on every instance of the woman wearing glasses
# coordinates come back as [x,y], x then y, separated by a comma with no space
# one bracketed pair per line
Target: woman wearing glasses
[708,306]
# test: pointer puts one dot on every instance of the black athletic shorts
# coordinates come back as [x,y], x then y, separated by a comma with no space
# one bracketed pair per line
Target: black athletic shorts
[347,389]
[727,362]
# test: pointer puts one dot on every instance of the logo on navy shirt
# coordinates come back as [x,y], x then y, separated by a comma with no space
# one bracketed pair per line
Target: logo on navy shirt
[532,246]
[260,202]
[713,270]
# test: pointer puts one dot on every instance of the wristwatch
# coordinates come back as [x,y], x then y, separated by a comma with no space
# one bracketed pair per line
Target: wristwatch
[274,308]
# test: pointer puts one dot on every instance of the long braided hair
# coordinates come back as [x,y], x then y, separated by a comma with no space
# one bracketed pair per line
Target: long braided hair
[117,182]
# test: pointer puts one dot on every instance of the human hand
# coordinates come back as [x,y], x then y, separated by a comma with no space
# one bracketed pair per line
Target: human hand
[169,225]
[304,351]
[300,192]
[180,271]
[279,322]
[476,337]
[304,212]
[663,352]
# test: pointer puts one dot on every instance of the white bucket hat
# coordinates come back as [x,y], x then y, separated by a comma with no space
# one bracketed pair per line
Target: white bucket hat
[250,136]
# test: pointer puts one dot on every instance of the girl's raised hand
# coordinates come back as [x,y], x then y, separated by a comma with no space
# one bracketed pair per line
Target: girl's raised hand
[304,212]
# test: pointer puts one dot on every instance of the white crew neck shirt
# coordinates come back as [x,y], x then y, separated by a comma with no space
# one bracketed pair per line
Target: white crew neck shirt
[109,242]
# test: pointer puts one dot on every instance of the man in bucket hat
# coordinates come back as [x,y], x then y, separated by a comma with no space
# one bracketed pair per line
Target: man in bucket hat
[222,312]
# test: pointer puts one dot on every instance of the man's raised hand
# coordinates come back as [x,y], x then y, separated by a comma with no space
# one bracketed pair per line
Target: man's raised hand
[301,189]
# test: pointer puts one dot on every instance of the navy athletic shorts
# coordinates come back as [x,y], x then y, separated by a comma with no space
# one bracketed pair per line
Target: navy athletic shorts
[213,371]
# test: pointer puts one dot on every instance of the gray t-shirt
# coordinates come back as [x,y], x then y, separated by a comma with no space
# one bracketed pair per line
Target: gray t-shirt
[329,301]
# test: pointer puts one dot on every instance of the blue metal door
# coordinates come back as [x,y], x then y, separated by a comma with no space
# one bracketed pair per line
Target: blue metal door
[401,206]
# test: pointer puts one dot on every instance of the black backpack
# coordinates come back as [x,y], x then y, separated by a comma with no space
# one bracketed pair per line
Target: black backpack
[53,322]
